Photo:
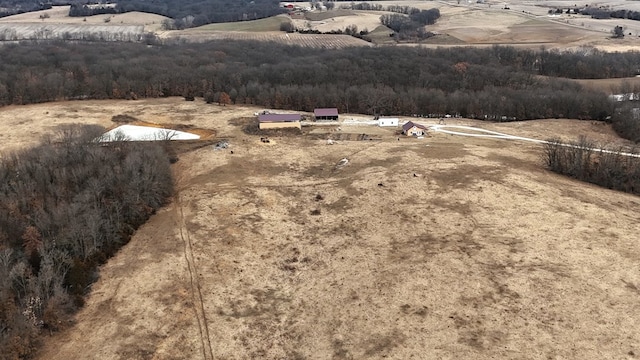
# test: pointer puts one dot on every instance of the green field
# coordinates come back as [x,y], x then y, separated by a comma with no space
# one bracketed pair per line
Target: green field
[267,24]
[324,15]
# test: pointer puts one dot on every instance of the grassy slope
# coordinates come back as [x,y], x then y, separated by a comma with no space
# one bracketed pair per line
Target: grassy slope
[324,15]
[380,35]
[267,24]
[610,85]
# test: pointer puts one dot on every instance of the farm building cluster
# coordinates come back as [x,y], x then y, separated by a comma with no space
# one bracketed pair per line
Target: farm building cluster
[279,121]
[268,120]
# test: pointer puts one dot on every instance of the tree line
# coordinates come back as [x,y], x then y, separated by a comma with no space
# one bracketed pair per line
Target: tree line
[498,83]
[13,7]
[399,22]
[80,10]
[410,27]
[602,13]
[407,23]
[65,207]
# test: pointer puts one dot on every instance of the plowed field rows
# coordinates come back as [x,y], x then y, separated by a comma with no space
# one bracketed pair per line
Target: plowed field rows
[305,40]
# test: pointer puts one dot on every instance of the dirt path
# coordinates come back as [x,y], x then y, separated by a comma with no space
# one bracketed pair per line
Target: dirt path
[194,281]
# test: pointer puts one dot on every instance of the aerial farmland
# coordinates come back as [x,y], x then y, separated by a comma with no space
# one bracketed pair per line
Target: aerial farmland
[346,237]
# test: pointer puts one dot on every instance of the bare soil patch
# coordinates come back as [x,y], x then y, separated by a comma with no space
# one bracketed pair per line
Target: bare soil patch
[448,246]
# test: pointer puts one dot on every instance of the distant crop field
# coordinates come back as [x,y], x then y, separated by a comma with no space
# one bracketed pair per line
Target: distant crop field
[319,16]
[305,40]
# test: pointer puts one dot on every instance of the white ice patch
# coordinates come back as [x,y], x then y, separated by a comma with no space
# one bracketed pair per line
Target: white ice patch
[145,133]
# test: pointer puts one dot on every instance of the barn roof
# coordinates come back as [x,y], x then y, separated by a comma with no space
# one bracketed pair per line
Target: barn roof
[326,112]
[411,124]
[278,117]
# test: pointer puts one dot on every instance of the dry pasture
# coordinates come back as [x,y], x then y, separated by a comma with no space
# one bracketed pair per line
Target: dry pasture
[443,247]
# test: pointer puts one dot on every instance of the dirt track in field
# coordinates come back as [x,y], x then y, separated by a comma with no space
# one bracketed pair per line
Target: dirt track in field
[482,254]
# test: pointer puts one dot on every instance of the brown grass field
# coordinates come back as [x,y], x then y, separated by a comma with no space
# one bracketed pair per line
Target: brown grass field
[469,248]
[439,248]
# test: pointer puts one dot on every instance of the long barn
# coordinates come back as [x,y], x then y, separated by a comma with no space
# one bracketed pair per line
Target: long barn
[279,121]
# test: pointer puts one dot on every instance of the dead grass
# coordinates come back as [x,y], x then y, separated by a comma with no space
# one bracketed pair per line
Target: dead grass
[483,254]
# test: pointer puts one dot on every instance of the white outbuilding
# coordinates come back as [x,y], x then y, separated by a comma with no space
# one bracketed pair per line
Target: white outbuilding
[383,122]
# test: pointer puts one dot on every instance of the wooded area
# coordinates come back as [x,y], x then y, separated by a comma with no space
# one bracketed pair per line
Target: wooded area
[585,161]
[498,83]
[12,7]
[626,121]
[65,207]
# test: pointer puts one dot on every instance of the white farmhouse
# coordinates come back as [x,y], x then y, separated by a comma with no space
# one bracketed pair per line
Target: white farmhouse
[383,122]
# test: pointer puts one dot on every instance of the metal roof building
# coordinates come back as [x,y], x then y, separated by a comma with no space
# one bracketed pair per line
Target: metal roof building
[274,121]
[326,114]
